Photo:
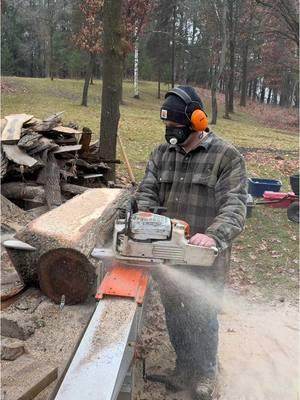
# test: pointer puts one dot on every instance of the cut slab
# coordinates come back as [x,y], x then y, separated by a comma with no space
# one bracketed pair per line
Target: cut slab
[26,380]
[12,130]
[66,130]
[15,154]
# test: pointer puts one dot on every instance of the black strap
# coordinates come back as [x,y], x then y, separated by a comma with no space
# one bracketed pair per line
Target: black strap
[181,94]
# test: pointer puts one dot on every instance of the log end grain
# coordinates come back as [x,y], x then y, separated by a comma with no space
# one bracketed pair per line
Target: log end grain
[68,273]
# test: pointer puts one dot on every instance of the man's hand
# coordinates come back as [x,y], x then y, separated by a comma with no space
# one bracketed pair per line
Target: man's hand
[199,239]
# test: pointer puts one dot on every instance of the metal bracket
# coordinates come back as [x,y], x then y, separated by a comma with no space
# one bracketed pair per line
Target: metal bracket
[124,282]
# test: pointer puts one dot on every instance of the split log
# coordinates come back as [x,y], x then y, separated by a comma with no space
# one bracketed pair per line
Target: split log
[49,123]
[64,239]
[74,189]
[4,163]
[29,139]
[50,178]
[85,140]
[22,191]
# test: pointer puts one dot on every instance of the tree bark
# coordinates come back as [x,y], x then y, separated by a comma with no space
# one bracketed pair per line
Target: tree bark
[217,71]
[233,17]
[88,77]
[262,94]
[254,88]
[269,96]
[136,67]
[173,45]
[112,82]
[227,97]
[243,97]
[158,79]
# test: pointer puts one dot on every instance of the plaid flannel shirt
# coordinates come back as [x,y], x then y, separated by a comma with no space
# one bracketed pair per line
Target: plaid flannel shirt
[206,187]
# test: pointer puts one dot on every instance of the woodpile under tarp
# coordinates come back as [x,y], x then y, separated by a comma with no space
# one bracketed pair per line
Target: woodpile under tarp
[46,162]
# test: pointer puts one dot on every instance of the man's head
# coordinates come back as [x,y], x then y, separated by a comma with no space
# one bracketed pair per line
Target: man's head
[184,108]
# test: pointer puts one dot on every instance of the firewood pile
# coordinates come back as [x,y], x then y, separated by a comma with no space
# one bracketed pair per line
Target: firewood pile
[44,162]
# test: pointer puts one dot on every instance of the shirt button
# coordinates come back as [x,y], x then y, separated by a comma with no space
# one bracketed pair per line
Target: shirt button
[181,178]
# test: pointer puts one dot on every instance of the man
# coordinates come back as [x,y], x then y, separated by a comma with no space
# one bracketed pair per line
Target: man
[200,179]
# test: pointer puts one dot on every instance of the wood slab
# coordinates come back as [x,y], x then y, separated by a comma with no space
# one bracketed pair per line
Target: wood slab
[63,149]
[15,154]
[12,130]
[26,379]
[66,130]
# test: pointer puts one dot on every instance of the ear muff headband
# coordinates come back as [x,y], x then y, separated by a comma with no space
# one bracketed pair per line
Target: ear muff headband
[198,118]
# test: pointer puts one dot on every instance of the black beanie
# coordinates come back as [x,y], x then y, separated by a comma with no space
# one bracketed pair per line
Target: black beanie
[175,109]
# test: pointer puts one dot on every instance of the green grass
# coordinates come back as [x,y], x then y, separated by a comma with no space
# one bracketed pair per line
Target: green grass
[141,129]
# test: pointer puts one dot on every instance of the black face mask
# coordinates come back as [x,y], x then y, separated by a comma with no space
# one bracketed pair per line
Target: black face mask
[177,135]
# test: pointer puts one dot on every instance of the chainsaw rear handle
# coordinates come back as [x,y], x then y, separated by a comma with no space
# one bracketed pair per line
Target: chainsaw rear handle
[131,209]
[158,210]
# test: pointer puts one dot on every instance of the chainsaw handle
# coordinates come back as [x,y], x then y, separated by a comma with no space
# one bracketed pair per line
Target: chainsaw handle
[158,210]
[131,209]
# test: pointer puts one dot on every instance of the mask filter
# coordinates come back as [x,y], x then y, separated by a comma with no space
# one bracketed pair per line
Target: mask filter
[177,135]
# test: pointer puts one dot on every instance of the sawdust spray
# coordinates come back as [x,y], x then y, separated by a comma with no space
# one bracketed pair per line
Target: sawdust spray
[259,342]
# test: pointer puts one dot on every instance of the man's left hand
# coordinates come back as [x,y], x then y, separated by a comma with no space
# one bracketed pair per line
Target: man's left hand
[199,239]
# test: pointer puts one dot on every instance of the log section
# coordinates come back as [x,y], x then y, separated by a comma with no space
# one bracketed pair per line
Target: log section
[64,238]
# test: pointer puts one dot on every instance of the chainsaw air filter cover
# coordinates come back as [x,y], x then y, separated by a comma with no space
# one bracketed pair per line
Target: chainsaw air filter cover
[149,226]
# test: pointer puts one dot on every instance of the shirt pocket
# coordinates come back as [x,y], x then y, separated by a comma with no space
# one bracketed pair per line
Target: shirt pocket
[166,180]
[205,178]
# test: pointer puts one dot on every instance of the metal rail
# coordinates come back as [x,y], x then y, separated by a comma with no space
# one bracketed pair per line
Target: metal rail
[105,355]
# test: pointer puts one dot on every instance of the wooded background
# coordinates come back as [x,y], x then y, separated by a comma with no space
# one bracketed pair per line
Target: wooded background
[245,48]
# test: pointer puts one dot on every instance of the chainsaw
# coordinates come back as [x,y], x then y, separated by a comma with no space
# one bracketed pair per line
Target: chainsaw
[149,238]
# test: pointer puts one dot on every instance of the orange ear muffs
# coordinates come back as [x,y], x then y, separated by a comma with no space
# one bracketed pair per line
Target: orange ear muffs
[199,120]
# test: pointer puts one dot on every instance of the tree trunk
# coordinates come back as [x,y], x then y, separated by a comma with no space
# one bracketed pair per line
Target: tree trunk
[51,61]
[173,46]
[296,105]
[217,71]
[230,82]
[250,88]
[274,97]
[243,97]
[227,90]
[112,82]
[214,106]
[88,76]
[136,67]
[254,88]
[269,96]
[158,80]
[262,94]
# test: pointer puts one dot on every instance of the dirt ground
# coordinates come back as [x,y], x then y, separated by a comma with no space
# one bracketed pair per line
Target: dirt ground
[258,351]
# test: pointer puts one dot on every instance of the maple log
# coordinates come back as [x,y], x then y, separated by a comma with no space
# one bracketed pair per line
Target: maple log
[64,239]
